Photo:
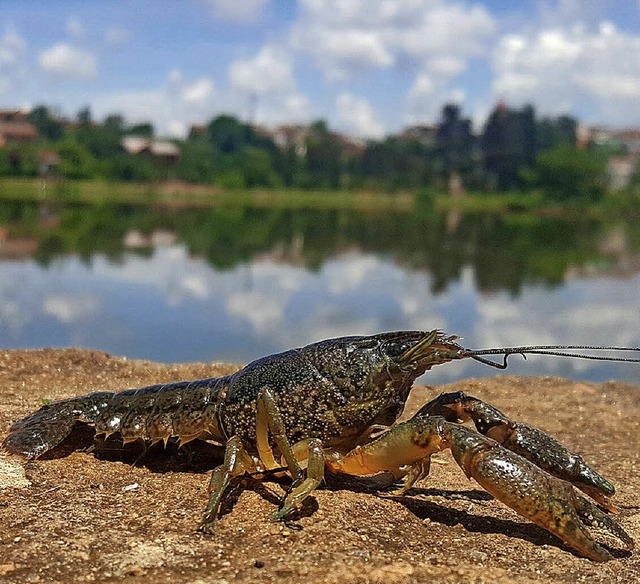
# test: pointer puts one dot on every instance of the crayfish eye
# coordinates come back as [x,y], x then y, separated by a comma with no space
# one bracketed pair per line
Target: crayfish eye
[396,349]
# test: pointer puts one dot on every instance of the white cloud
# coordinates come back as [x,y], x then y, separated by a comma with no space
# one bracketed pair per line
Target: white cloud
[239,11]
[75,28]
[64,60]
[70,308]
[340,53]
[357,117]
[177,103]
[297,106]
[446,66]
[276,109]
[270,71]
[422,89]
[568,67]
[349,37]
[199,93]
[171,108]
[269,78]
[13,49]
[427,95]
[117,35]
[448,29]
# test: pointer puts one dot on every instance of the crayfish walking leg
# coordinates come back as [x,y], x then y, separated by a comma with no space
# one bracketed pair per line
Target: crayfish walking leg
[237,461]
[269,421]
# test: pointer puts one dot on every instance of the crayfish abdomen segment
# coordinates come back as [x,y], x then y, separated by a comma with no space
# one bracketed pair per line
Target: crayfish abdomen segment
[157,412]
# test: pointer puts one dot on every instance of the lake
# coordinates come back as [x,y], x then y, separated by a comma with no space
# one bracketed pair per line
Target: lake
[233,284]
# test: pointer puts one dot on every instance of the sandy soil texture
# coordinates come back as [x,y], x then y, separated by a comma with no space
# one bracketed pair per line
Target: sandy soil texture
[100,518]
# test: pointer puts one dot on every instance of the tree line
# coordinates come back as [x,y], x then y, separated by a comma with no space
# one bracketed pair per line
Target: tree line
[515,150]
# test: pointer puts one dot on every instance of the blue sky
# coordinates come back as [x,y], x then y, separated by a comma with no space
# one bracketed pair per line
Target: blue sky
[369,67]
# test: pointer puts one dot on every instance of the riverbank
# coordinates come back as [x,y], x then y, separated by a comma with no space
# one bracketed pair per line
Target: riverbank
[88,518]
[175,194]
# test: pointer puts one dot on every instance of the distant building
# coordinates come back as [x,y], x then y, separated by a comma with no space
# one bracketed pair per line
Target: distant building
[13,115]
[166,153]
[352,147]
[15,128]
[425,134]
[198,132]
[620,170]
[626,139]
[630,139]
[295,135]
[48,163]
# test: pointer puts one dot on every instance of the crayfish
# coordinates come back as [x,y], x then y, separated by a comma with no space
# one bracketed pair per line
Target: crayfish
[331,407]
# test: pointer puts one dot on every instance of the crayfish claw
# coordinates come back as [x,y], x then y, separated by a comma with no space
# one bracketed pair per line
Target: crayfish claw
[548,501]
[529,442]
[596,519]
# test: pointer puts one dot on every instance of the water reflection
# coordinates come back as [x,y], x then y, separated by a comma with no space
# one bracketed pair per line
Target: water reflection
[237,284]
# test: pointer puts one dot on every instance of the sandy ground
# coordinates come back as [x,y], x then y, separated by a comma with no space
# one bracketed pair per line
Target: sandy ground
[86,517]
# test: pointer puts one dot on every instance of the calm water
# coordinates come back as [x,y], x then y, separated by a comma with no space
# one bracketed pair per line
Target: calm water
[236,284]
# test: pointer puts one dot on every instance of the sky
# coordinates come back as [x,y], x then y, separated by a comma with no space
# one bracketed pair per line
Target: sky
[368,67]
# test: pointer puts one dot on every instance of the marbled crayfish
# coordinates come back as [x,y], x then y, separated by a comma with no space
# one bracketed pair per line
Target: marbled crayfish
[315,410]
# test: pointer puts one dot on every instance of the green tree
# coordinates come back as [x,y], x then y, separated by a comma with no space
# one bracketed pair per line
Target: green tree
[5,163]
[256,168]
[228,134]
[48,126]
[454,141]
[19,160]
[114,123]
[565,173]
[323,160]
[395,163]
[123,166]
[84,116]
[145,129]
[287,165]
[197,162]
[555,131]
[76,161]
[509,145]
[104,142]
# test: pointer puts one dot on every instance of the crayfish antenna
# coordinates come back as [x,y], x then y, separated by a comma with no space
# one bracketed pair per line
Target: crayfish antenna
[502,365]
[554,350]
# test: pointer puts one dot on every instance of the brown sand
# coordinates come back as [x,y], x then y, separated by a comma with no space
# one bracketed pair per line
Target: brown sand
[86,517]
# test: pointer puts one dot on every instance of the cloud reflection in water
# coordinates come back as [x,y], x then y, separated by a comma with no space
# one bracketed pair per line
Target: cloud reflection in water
[172,307]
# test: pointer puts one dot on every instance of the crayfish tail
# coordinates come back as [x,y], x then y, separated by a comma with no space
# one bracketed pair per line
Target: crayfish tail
[47,428]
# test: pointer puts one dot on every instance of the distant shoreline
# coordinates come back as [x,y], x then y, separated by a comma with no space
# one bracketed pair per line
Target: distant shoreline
[177,194]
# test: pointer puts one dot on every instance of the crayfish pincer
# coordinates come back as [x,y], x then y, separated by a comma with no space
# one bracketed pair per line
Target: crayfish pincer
[331,407]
